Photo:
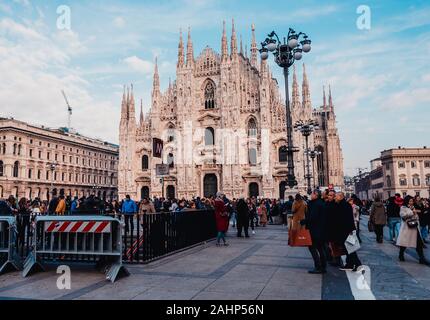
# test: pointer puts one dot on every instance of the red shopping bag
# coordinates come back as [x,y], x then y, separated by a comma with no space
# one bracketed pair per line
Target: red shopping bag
[299,237]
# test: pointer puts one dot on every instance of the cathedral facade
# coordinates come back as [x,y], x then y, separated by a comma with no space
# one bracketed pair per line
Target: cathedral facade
[223,123]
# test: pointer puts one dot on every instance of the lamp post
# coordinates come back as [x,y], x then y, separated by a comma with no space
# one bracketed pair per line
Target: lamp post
[52,166]
[306,128]
[313,154]
[286,53]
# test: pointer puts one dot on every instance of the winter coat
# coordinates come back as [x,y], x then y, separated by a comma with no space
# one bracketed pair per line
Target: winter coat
[377,214]
[61,207]
[242,211]
[129,207]
[221,216]
[407,236]
[393,210]
[299,213]
[262,212]
[316,220]
[5,210]
[340,220]
[146,208]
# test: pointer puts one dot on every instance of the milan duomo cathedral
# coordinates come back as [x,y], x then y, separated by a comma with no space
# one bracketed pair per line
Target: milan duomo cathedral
[223,123]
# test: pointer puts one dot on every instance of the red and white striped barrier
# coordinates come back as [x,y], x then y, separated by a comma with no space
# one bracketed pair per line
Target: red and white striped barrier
[78,226]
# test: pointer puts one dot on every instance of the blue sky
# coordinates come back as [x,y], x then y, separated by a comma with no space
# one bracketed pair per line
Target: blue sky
[379,77]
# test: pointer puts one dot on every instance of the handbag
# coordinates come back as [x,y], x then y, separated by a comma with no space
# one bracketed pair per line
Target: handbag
[412,223]
[300,237]
[352,244]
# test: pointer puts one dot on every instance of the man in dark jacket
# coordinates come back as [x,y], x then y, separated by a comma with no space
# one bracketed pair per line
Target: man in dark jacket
[316,222]
[344,228]
[242,217]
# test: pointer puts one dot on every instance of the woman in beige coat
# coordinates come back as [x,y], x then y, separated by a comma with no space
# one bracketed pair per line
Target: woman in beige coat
[410,237]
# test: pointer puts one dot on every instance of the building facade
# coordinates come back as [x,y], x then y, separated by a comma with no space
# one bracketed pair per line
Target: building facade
[223,123]
[36,161]
[406,171]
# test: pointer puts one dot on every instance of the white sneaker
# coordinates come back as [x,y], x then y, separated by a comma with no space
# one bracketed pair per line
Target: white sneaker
[253,232]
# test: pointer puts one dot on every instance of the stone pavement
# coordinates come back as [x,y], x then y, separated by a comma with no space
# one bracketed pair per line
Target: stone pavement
[262,267]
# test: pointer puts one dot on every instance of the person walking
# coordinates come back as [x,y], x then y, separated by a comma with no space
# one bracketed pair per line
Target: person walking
[378,217]
[344,228]
[23,220]
[410,235]
[299,213]
[262,213]
[74,207]
[252,213]
[61,206]
[146,207]
[421,211]
[394,220]
[242,211]
[334,247]
[221,217]
[316,223]
[129,209]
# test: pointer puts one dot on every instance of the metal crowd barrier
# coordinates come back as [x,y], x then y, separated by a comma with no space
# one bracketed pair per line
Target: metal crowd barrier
[151,236]
[70,239]
[9,258]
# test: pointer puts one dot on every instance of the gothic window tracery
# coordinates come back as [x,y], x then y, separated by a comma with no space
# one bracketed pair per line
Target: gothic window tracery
[210,95]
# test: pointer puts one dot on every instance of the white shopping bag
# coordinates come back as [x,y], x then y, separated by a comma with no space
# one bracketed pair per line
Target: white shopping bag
[352,244]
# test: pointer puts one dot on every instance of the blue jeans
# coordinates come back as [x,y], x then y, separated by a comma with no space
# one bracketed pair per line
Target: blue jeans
[220,235]
[424,232]
[394,227]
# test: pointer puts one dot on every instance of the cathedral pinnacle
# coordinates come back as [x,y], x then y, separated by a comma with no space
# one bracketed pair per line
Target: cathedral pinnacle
[180,50]
[254,49]
[224,44]
[190,51]
[233,40]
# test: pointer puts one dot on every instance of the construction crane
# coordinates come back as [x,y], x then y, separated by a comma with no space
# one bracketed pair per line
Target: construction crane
[69,110]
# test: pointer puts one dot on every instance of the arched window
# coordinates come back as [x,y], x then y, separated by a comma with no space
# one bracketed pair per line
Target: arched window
[403,181]
[170,160]
[14,148]
[252,128]
[428,180]
[413,164]
[210,95]
[1,168]
[111,178]
[252,156]
[416,180]
[145,162]
[39,173]
[171,133]
[19,150]
[4,148]
[209,136]
[16,169]
[283,154]
[30,171]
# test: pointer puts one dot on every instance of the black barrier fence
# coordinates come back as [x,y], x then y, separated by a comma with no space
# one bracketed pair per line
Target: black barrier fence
[145,237]
[150,236]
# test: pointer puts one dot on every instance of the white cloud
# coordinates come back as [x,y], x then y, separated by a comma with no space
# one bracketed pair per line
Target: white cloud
[35,68]
[119,22]
[139,65]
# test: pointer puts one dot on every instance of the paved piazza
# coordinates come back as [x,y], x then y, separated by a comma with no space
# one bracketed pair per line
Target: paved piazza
[260,268]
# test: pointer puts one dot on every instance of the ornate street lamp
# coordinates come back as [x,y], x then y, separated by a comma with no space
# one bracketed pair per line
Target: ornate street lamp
[313,154]
[306,128]
[286,53]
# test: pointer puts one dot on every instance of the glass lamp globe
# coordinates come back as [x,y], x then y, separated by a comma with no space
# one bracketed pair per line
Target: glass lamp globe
[272,46]
[292,43]
[264,55]
[298,55]
[306,47]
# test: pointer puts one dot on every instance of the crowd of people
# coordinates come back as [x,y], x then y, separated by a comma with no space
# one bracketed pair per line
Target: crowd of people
[323,223]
